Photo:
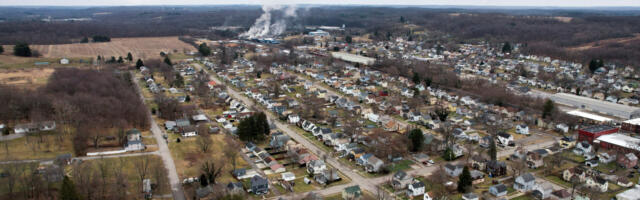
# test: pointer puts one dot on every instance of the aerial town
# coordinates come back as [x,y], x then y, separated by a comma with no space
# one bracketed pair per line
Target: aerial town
[291,108]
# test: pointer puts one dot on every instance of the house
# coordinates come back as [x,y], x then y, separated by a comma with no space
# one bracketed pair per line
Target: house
[598,183]
[606,157]
[534,160]
[582,148]
[188,131]
[64,61]
[288,176]
[476,177]
[169,125]
[496,168]
[400,180]
[235,188]
[628,161]
[498,190]
[562,194]
[352,193]
[34,127]
[478,162]
[259,185]
[293,119]
[567,142]
[470,196]
[327,176]
[522,129]
[505,139]
[278,140]
[542,190]
[453,170]
[316,166]
[134,141]
[374,164]
[576,173]
[524,183]
[415,189]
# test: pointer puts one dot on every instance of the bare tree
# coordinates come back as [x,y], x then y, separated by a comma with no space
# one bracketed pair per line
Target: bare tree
[204,142]
[212,170]
[13,172]
[104,173]
[142,165]
[231,150]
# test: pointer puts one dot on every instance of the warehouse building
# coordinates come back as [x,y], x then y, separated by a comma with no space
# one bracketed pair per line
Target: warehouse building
[591,133]
[620,143]
[594,105]
[632,125]
[353,58]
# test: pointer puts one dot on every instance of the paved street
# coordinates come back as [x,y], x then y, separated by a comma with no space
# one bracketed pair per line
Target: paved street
[164,152]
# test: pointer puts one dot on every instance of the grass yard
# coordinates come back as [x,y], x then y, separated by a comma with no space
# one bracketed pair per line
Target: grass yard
[573,157]
[558,180]
[524,197]
[46,145]
[189,158]
[400,165]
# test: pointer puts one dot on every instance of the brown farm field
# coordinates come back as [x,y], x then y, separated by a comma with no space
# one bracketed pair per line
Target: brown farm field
[25,78]
[144,47]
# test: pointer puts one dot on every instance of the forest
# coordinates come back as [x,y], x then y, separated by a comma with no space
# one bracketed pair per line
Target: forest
[92,103]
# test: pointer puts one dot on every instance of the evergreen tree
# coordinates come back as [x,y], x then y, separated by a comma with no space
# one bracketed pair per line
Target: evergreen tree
[120,60]
[464,182]
[254,128]
[506,48]
[139,64]
[493,152]
[417,140]
[99,58]
[204,49]
[402,20]
[416,78]
[448,154]
[547,109]
[112,60]
[22,49]
[187,98]
[594,64]
[167,60]
[84,40]
[129,57]
[348,39]
[68,190]
[1,49]
[427,81]
[203,180]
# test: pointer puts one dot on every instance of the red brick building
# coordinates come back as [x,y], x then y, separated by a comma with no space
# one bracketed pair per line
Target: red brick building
[632,125]
[591,133]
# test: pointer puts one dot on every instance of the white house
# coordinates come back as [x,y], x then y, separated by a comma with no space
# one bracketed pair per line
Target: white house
[524,183]
[415,189]
[505,139]
[293,119]
[522,129]
[64,61]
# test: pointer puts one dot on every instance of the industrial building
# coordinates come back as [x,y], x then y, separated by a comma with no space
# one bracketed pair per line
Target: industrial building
[632,125]
[591,133]
[353,58]
[620,143]
[594,105]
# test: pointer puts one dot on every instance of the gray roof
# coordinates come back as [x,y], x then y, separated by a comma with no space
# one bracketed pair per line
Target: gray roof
[528,177]
[500,187]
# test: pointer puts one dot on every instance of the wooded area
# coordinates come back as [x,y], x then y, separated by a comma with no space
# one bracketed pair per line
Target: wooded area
[94,103]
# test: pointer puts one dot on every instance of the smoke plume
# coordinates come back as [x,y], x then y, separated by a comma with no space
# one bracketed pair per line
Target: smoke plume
[272,22]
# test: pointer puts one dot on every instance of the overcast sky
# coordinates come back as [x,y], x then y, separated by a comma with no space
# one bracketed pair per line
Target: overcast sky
[537,3]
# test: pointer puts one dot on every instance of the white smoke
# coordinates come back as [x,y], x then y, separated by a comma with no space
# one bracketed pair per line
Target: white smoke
[263,26]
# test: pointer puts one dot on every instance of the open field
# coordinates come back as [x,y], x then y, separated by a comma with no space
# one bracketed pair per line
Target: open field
[144,47]
[25,78]
[612,41]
